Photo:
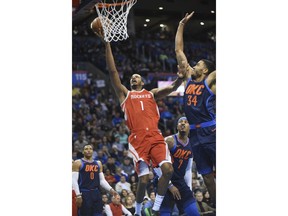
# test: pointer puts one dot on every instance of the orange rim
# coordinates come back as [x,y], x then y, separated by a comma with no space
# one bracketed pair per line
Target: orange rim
[106,5]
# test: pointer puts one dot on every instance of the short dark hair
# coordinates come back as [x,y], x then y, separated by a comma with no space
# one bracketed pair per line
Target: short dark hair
[87,145]
[209,65]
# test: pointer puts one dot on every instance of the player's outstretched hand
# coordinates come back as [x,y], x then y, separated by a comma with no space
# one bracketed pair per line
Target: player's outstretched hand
[186,18]
[175,192]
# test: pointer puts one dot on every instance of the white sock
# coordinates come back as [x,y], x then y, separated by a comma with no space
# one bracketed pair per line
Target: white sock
[158,202]
[138,208]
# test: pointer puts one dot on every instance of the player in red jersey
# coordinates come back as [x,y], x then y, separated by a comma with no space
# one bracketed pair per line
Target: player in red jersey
[146,142]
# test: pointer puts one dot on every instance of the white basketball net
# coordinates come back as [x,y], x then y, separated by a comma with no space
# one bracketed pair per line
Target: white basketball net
[113,18]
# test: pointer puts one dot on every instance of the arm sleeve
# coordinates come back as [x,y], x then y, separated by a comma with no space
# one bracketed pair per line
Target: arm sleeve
[188,174]
[104,184]
[108,210]
[125,211]
[75,176]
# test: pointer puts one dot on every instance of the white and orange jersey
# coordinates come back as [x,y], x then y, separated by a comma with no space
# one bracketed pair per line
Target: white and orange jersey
[140,110]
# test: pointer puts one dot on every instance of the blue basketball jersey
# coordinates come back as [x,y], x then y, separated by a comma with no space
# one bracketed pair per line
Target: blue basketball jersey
[181,153]
[89,175]
[199,102]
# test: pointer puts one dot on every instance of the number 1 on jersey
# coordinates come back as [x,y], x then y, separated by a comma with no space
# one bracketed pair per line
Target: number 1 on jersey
[142,105]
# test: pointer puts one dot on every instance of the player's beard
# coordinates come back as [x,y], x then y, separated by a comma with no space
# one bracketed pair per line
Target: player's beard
[195,75]
[133,86]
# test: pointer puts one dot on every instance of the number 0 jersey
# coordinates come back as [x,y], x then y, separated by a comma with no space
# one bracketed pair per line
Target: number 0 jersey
[140,110]
[89,175]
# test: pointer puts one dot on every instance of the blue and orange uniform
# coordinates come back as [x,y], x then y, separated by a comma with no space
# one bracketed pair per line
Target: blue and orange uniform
[89,186]
[182,163]
[200,110]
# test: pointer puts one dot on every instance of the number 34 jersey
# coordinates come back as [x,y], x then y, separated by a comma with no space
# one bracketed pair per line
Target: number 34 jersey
[140,110]
[199,102]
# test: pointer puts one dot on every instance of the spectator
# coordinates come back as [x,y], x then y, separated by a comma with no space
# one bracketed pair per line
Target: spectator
[133,179]
[125,154]
[94,143]
[110,178]
[115,208]
[204,208]
[167,117]
[207,198]
[123,194]
[117,119]
[119,173]
[101,156]
[105,199]
[123,138]
[105,142]
[147,205]
[79,145]
[127,166]
[118,146]
[111,165]
[132,195]
[134,187]
[79,125]
[129,204]
[106,151]
[122,184]
[115,154]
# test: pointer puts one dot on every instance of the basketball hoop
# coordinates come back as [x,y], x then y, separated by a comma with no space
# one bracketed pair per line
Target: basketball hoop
[113,18]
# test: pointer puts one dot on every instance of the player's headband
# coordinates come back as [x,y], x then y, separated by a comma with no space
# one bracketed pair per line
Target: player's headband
[180,119]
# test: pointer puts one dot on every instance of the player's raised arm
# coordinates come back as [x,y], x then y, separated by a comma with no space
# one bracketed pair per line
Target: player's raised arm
[179,43]
[162,92]
[120,90]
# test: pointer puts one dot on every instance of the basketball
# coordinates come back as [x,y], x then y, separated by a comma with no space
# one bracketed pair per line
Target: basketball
[96,25]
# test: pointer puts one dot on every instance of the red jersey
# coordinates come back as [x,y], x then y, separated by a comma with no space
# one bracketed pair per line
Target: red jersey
[140,110]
